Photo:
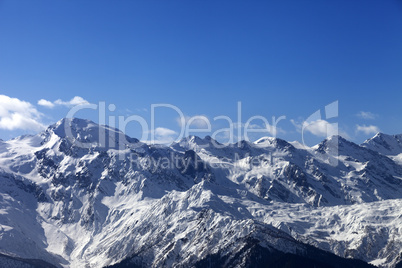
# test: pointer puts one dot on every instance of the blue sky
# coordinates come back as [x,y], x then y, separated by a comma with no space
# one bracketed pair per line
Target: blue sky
[278,58]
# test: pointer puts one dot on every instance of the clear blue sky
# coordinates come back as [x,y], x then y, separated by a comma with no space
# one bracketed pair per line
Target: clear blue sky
[276,57]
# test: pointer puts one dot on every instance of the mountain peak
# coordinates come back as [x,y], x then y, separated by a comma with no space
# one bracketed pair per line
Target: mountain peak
[87,132]
[385,144]
[335,139]
[333,144]
[272,142]
[195,140]
[74,124]
[264,140]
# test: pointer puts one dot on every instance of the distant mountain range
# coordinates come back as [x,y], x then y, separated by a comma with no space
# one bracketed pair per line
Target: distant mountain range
[85,195]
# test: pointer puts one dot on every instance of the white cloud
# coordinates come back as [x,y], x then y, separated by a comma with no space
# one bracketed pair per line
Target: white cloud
[366,115]
[199,121]
[18,114]
[320,128]
[46,103]
[367,129]
[162,135]
[161,131]
[77,100]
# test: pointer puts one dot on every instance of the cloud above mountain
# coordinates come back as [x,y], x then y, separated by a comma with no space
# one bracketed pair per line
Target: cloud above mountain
[77,100]
[367,129]
[161,135]
[19,114]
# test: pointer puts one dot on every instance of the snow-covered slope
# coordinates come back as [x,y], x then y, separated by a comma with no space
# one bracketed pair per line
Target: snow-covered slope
[334,172]
[389,145]
[385,144]
[84,195]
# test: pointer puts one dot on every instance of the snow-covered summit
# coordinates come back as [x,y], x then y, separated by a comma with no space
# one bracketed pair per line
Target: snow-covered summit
[74,198]
[196,143]
[86,133]
[385,144]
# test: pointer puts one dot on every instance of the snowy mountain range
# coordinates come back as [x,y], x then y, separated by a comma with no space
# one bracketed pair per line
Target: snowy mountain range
[86,195]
